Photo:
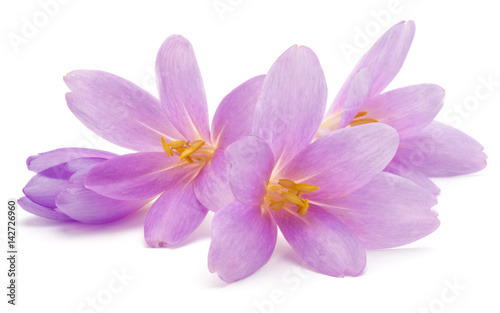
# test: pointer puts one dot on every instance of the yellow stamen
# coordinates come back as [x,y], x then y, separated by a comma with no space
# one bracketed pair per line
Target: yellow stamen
[194,146]
[277,205]
[303,209]
[177,144]
[295,192]
[362,121]
[293,195]
[292,198]
[166,147]
[360,114]
[286,183]
[198,158]
[305,188]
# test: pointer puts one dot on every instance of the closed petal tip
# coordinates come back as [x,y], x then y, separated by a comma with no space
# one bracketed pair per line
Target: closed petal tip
[42,211]
[45,160]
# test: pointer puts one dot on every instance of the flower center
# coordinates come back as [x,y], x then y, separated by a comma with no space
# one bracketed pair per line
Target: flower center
[187,151]
[359,119]
[287,191]
[332,123]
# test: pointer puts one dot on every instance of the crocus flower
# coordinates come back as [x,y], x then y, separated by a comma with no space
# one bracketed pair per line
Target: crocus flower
[427,148]
[329,198]
[57,191]
[179,158]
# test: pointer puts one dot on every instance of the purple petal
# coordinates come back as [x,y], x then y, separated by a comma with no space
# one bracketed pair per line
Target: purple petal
[324,243]
[81,163]
[389,211]
[44,187]
[357,94]
[137,176]
[118,110]
[407,109]
[395,167]
[42,211]
[292,103]
[182,94]
[440,150]
[243,240]
[343,160]
[384,60]
[211,185]
[250,162]
[234,116]
[43,161]
[86,206]
[173,217]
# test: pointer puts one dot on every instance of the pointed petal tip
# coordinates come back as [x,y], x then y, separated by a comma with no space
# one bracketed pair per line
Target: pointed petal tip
[213,270]
[158,244]
[71,78]
[227,280]
[42,211]
[175,40]
[29,160]
[410,24]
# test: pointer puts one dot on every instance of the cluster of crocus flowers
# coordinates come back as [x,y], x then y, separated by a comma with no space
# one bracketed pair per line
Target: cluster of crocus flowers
[334,184]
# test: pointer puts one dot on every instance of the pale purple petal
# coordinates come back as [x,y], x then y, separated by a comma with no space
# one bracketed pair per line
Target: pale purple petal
[440,150]
[78,177]
[250,163]
[44,187]
[406,171]
[118,110]
[357,94]
[292,103]
[408,109]
[322,241]
[173,217]
[43,161]
[343,160]
[211,185]
[384,60]
[234,116]
[243,240]
[50,213]
[81,163]
[389,211]
[182,94]
[86,206]
[138,176]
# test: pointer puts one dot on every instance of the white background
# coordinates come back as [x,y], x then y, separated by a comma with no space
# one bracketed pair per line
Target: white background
[63,264]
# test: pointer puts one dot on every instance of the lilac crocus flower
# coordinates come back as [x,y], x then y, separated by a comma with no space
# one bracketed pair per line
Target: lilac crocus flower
[179,158]
[329,198]
[57,191]
[427,148]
